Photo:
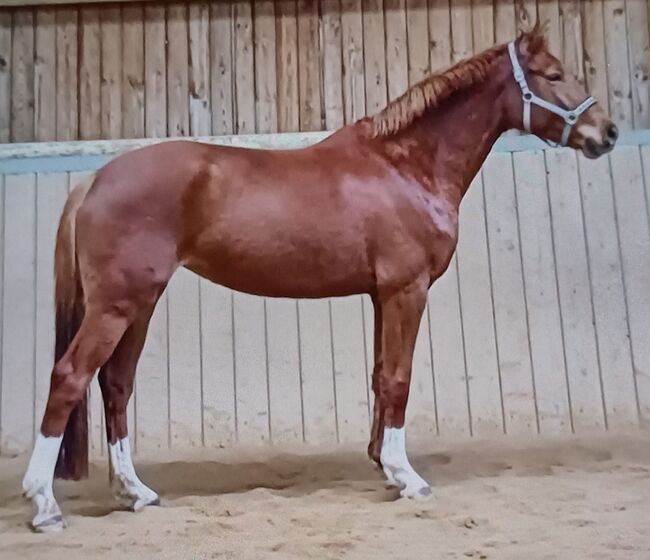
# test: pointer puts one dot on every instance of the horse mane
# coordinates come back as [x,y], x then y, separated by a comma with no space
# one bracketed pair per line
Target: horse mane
[431,92]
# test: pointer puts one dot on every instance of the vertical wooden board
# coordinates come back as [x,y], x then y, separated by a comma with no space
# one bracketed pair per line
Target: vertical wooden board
[133,71]
[90,109]
[152,384]
[18,313]
[396,48]
[221,71]
[594,51]
[544,321]
[177,75]
[185,405]
[510,314]
[641,348]
[332,64]
[111,69]
[608,289]
[217,358]
[51,194]
[549,11]
[2,304]
[244,67]
[446,333]
[634,236]
[45,75]
[462,46]
[287,66]
[618,68]
[417,18]
[5,75]
[67,108]
[354,89]
[374,55]
[526,14]
[485,399]
[97,434]
[155,76]
[319,397]
[251,374]
[199,85]
[483,25]
[22,76]
[285,397]
[265,74]
[505,20]
[350,375]
[571,33]
[309,66]
[368,326]
[639,53]
[439,34]
[583,371]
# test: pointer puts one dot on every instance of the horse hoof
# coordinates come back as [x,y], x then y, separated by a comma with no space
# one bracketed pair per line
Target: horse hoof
[54,524]
[140,504]
[419,495]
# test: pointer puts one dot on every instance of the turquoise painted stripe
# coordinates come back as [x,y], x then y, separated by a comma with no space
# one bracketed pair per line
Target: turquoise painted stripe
[16,160]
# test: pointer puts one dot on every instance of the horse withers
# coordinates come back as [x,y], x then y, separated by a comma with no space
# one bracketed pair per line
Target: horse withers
[372,209]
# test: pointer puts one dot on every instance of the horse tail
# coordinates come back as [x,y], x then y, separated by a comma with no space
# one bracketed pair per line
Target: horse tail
[72,462]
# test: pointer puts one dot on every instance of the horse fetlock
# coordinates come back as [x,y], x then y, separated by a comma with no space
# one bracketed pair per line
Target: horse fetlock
[130,492]
[48,517]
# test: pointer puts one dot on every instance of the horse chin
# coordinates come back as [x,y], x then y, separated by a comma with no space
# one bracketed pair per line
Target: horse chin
[592,150]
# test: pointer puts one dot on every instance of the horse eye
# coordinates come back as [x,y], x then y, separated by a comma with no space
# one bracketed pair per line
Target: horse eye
[554,77]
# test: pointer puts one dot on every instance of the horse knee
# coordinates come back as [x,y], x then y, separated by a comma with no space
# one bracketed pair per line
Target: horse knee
[68,385]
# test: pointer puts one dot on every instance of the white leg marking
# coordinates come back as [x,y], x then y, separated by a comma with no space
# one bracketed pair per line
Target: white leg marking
[397,468]
[37,484]
[126,486]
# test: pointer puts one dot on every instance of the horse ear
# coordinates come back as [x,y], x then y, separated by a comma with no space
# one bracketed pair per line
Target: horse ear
[534,41]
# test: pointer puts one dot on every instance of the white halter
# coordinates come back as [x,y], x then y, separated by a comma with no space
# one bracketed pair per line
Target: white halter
[529,98]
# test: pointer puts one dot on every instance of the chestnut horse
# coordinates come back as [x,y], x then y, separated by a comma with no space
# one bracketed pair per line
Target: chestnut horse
[372,209]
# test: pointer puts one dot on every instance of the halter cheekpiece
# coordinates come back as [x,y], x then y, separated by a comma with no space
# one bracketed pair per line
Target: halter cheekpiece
[529,98]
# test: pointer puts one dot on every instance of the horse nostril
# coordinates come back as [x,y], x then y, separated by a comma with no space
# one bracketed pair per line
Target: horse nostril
[612,132]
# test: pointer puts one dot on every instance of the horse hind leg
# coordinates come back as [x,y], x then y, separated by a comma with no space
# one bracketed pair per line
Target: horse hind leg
[116,379]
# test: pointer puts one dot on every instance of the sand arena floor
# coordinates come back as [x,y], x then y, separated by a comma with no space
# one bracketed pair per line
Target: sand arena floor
[576,498]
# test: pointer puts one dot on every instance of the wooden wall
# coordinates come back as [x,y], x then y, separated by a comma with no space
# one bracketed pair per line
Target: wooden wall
[196,68]
[540,325]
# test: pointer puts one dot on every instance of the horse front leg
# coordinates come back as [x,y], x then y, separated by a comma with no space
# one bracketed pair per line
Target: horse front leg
[401,314]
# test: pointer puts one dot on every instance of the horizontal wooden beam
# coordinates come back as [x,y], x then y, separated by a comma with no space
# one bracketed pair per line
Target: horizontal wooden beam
[22,3]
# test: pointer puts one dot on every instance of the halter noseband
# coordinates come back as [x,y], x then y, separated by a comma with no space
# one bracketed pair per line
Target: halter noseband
[529,98]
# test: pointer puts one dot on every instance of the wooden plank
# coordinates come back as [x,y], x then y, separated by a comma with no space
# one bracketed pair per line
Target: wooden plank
[607,285]
[133,71]
[251,380]
[525,14]
[45,75]
[51,194]
[350,375]
[462,46]
[572,269]
[2,303]
[111,68]
[396,48]
[639,63]
[549,11]
[374,54]
[22,76]
[446,334]
[439,34]
[314,329]
[90,109]
[283,355]
[354,88]
[18,313]
[478,316]
[217,358]
[185,398]
[509,295]
[571,33]
[265,74]
[244,67]
[199,69]
[332,64]
[640,331]
[5,75]
[593,45]
[67,109]
[505,21]
[309,86]
[155,77]
[544,320]
[618,69]
[221,70]
[287,66]
[417,18]
[483,26]
[10,3]
[177,75]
